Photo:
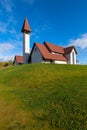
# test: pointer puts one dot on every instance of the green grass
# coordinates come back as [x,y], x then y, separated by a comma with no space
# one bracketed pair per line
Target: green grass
[43,97]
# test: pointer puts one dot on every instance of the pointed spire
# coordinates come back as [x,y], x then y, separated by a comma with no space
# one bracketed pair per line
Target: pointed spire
[26,26]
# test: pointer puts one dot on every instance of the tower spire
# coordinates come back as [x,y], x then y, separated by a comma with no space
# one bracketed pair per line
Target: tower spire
[26,26]
[26,40]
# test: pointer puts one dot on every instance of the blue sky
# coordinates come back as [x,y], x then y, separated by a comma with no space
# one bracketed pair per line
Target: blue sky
[62,22]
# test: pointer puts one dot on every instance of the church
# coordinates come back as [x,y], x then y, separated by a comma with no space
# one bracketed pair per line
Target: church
[44,53]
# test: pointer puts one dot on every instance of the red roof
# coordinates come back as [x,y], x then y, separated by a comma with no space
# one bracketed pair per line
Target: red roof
[67,50]
[19,59]
[47,55]
[53,52]
[54,48]
[26,26]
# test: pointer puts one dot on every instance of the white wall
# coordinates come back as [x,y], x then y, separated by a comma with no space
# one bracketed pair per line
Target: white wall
[60,62]
[46,61]
[36,56]
[71,57]
[26,47]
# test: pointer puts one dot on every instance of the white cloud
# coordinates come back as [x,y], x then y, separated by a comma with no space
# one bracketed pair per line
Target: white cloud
[80,41]
[6,58]
[5,47]
[5,52]
[7,5]
[10,49]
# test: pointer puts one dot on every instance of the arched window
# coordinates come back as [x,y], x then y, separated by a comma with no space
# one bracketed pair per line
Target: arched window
[35,49]
[73,59]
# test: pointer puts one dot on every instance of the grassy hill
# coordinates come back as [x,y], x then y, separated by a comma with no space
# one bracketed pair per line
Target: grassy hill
[5,64]
[43,97]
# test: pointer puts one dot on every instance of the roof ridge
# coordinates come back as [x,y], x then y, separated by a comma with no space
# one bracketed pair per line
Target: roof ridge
[69,46]
[54,47]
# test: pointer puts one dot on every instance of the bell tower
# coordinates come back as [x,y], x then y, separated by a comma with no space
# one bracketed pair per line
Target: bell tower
[26,40]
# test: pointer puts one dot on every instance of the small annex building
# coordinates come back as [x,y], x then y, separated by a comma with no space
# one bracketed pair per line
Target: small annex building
[44,53]
[18,60]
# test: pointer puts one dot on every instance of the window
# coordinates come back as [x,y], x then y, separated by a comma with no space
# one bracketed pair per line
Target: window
[35,49]
[73,58]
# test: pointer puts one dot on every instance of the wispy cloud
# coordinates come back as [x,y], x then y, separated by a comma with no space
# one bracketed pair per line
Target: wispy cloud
[5,47]
[7,5]
[29,1]
[7,22]
[45,27]
[8,50]
[81,41]
[35,35]
[5,26]
[40,29]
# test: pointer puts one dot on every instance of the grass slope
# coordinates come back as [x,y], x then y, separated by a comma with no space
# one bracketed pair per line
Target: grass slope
[43,97]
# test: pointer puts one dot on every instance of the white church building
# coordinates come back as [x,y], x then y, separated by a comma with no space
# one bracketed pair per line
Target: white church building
[44,53]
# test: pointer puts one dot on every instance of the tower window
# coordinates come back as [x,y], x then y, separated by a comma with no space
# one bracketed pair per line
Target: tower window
[35,49]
